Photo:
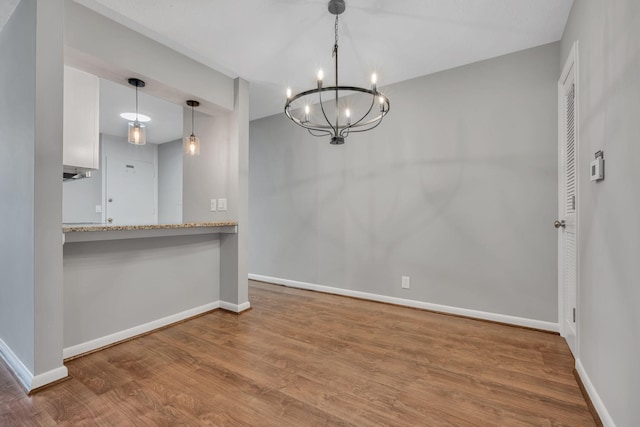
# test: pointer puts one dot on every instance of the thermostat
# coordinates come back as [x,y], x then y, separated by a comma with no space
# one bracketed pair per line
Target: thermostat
[597,167]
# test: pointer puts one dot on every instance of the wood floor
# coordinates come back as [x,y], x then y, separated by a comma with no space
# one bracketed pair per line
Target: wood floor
[301,358]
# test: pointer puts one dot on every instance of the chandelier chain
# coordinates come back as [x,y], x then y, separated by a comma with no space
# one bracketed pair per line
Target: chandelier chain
[335,46]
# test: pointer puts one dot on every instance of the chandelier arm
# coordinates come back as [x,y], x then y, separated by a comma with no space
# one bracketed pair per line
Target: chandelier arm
[335,131]
[315,127]
[324,132]
[327,127]
[373,101]
[363,127]
[372,127]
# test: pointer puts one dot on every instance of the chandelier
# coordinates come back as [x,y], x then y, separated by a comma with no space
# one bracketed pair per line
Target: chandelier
[332,117]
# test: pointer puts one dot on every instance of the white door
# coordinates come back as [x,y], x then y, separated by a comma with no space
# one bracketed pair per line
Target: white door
[130,190]
[567,202]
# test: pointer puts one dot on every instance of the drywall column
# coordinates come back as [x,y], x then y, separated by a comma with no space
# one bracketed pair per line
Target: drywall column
[31,168]
[233,248]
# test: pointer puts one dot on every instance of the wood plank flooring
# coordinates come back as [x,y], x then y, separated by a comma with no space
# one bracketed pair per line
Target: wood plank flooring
[301,358]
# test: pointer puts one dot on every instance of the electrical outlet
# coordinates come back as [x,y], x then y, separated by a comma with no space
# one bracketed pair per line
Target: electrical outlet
[214,205]
[222,204]
[406,282]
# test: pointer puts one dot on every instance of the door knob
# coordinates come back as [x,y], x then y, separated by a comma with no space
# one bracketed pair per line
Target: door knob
[558,224]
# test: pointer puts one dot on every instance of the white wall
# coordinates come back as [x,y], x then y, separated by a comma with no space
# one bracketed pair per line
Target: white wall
[81,196]
[456,189]
[31,80]
[116,152]
[170,183]
[609,227]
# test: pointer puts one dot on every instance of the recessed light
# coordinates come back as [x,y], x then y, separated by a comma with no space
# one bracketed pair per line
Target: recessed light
[132,117]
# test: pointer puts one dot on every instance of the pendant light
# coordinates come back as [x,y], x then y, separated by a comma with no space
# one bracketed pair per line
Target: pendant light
[137,134]
[191,143]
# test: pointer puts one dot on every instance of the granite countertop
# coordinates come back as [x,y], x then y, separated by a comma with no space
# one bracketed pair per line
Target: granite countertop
[104,227]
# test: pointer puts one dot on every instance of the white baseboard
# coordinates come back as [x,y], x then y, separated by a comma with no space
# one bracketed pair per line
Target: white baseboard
[49,377]
[27,379]
[606,419]
[502,318]
[236,308]
[136,330]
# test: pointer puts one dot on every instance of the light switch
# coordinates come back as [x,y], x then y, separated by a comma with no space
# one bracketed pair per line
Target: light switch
[214,206]
[222,204]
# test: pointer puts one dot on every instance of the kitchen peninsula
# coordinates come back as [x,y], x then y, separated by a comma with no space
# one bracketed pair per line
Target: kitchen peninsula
[124,280]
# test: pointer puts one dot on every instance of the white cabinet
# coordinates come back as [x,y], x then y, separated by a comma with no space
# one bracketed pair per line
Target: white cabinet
[81,121]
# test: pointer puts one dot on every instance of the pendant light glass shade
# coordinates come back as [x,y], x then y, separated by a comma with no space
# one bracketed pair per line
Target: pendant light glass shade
[191,143]
[137,134]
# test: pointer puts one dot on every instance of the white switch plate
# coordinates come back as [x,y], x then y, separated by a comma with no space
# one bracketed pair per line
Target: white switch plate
[222,204]
[98,208]
[214,206]
[406,282]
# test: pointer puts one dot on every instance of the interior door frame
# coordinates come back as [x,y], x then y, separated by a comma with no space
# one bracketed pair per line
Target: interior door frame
[571,66]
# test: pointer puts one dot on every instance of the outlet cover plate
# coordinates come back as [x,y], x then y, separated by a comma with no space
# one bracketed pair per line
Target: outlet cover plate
[406,282]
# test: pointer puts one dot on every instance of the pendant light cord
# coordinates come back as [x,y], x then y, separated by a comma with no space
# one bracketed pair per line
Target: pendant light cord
[137,104]
[192,119]
[335,55]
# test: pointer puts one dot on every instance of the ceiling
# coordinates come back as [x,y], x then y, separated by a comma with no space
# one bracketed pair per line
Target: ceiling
[279,43]
[166,117]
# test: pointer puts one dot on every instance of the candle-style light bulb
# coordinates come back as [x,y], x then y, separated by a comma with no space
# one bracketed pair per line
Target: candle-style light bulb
[320,77]
[288,92]
[307,110]
[192,148]
[381,100]
[347,113]
[374,81]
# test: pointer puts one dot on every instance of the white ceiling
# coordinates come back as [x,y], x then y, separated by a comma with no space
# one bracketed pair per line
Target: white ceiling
[166,117]
[278,43]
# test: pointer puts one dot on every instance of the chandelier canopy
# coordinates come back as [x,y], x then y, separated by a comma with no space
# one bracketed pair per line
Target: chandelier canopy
[324,111]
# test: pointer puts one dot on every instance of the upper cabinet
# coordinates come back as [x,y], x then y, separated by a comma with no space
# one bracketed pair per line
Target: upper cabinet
[81,121]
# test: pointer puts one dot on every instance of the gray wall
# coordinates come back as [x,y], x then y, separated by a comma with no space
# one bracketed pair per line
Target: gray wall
[31,82]
[456,189]
[17,113]
[170,183]
[609,228]
[48,188]
[221,171]
[114,285]
[209,175]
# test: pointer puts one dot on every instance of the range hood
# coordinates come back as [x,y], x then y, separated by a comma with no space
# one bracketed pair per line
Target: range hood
[70,172]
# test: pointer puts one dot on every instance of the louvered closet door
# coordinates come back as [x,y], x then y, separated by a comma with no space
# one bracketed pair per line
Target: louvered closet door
[567,209]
